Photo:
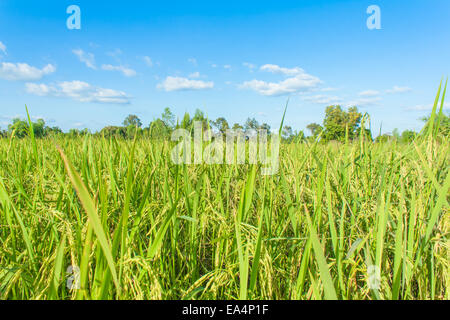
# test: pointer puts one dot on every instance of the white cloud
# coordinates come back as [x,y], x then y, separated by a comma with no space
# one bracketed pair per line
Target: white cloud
[85,57]
[328,89]
[322,99]
[127,72]
[429,107]
[286,71]
[369,93]
[193,61]
[115,54]
[363,102]
[227,66]
[23,71]
[194,75]
[300,83]
[2,47]
[148,61]
[397,89]
[179,83]
[249,65]
[79,91]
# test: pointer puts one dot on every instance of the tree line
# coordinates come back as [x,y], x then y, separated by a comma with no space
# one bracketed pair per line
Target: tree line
[338,125]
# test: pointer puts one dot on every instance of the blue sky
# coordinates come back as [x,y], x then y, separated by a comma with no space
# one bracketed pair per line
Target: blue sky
[236,59]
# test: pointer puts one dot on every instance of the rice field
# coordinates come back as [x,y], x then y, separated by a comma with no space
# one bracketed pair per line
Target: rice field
[355,220]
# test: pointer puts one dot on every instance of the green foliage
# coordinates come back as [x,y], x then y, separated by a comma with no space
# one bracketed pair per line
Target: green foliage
[339,124]
[237,126]
[114,131]
[132,121]
[159,130]
[315,129]
[251,124]
[168,118]
[186,123]
[444,124]
[289,135]
[140,227]
[20,128]
[408,136]
[222,125]
[222,232]
[384,138]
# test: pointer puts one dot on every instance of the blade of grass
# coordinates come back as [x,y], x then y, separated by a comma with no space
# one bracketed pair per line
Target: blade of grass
[91,210]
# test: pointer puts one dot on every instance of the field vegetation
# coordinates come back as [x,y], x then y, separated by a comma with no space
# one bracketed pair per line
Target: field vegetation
[114,207]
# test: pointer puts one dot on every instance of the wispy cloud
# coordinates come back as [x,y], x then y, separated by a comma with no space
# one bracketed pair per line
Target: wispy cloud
[369,93]
[364,102]
[323,99]
[115,54]
[127,72]
[328,89]
[148,61]
[2,48]
[397,89]
[286,71]
[193,61]
[249,65]
[85,57]
[427,107]
[301,82]
[79,91]
[194,75]
[23,71]
[179,84]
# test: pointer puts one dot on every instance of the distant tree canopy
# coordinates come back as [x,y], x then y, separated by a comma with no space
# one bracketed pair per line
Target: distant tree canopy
[289,135]
[221,125]
[338,125]
[159,130]
[315,129]
[114,131]
[132,121]
[168,118]
[443,123]
[20,129]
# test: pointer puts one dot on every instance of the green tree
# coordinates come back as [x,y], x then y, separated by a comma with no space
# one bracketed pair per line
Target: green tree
[367,134]
[299,136]
[112,131]
[159,129]
[315,129]
[168,118]
[237,126]
[199,116]
[18,128]
[408,136]
[222,125]
[51,131]
[384,138]
[133,121]
[39,128]
[443,122]
[186,123]
[339,123]
[266,127]
[251,124]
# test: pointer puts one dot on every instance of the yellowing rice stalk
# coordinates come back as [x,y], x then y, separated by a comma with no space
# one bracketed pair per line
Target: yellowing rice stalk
[357,220]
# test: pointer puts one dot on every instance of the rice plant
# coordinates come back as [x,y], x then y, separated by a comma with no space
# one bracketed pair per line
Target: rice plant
[133,225]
